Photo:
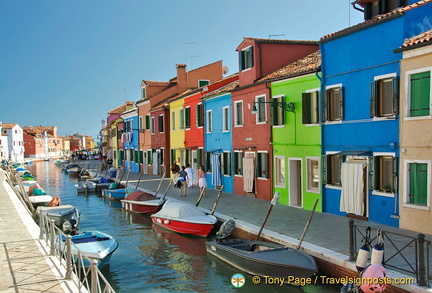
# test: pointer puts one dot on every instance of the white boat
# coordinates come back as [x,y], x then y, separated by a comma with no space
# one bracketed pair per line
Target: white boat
[40,200]
[85,186]
[95,245]
[59,213]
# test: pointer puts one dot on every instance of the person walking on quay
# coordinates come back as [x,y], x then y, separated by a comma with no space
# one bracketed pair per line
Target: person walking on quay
[202,180]
[183,178]
[190,173]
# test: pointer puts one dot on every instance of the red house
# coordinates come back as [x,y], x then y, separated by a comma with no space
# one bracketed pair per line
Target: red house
[251,132]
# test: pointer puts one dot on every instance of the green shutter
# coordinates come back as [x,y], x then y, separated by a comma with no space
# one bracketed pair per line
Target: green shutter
[373,98]
[395,175]
[136,157]
[324,164]
[149,157]
[187,117]
[420,94]
[372,182]
[306,108]
[418,183]
[147,122]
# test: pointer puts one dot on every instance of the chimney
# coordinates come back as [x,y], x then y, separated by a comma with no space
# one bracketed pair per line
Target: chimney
[181,77]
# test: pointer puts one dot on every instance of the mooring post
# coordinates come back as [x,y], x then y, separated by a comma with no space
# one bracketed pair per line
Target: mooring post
[421,260]
[351,240]
[68,257]
[41,226]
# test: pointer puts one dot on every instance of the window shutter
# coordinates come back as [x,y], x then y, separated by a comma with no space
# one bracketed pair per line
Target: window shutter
[187,118]
[395,175]
[382,7]
[283,112]
[372,173]
[241,63]
[367,11]
[251,57]
[306,108]
[395,84]
[341,102]
[373,95]
[273,113]
[324,169]
[325,105]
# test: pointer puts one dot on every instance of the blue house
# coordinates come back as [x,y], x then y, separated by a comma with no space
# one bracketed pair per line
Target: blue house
[360,110]
[129,137]
[218,138]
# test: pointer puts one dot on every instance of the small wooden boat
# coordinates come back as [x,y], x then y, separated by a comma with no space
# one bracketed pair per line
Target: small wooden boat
[261,258]
[142,203]
[184,218]
[59,213]
[95,245]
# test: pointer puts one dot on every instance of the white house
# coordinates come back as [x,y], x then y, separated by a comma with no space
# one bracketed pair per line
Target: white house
[15,141]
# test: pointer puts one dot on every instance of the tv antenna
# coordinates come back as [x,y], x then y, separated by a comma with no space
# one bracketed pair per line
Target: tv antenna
[279,35]
[186,45]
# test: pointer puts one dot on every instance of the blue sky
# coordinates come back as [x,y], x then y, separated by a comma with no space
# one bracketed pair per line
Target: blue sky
[67,63]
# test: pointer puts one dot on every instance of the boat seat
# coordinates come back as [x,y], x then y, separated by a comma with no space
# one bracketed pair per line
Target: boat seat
[89,239]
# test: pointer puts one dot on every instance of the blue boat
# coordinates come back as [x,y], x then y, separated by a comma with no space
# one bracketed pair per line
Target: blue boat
[117,193]
[94,245]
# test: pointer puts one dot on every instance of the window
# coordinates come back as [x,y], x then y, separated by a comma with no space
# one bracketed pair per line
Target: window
[280,171]
[332,169]
[313,174]
[417,186]
[384,97]
[246,58]
[238,163]
[187,118]
[277,115]
[333,104]
[173,120]
[420,94]
[226,163]
[208,165]
[199,115]
[209,121]
[383,173]
[143,93]
[262,165]
[238,113]
[260,106]
[152,125]
[225,119]
[203,82]
[173,156]
[310,102]
[377,7]
[161,123]
[148,122]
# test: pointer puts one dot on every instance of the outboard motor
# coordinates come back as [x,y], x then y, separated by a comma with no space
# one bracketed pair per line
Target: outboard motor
[70,227]
[225,230]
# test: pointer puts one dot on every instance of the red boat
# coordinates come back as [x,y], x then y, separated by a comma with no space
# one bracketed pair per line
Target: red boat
[142,203]
[184,218]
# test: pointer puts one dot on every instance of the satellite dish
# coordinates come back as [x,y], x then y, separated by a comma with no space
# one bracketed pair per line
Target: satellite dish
[225,69]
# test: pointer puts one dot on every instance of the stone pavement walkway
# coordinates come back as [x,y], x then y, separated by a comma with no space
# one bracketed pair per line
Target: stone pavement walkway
[25,265]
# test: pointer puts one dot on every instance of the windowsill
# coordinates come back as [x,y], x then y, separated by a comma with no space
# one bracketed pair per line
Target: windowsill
[278,126]
[382,193]
[225,131]
[418,118]
[311,125]
[260,123]
[333,122]
[280,186]
[384,118]
[329,186]
[238,175]
[415,207]
[262,178]
[240,125]
[246,69]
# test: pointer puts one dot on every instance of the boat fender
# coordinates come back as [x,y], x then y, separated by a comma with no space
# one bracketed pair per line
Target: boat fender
[55,202]
[377,273]
[378,249]
[363,254]
[159,221]
[166,222]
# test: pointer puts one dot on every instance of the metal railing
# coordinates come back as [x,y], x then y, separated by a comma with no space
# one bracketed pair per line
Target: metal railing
[403,253]
[60,244]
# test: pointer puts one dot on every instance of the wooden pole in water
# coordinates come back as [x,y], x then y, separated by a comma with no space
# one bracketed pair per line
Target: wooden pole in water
[160,183]
[307,224]
[273,202]
[139,179]
[166,191]
[200,196]
[217,200]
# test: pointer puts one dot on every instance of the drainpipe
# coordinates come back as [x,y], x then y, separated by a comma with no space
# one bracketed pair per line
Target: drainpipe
[320,112]
[270,173]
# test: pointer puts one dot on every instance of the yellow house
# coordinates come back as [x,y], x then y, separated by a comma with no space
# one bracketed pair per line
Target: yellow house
[416,134]
[178,127]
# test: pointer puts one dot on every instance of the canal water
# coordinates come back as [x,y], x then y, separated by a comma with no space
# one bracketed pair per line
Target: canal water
[149,258]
